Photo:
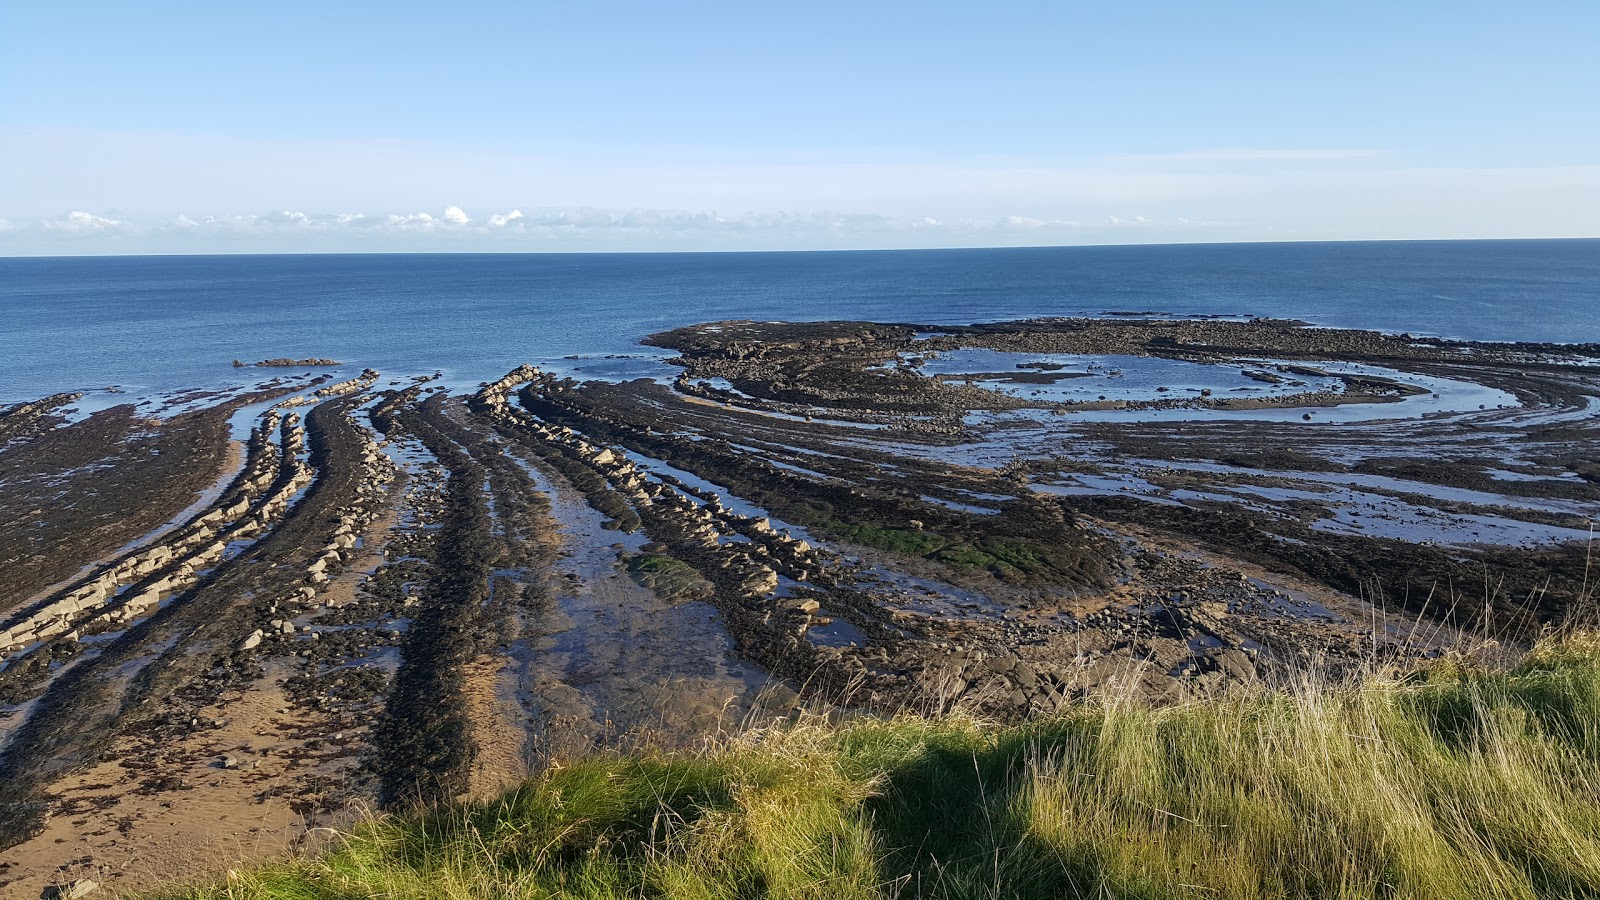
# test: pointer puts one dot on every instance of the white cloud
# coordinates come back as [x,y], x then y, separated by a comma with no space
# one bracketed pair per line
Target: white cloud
[369,193]
[80,222]
[288,218]
[561,225]
[412,222]
[1028,223]
[453,218]
[997,207]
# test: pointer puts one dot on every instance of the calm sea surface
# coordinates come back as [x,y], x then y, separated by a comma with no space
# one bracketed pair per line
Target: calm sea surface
[153,324]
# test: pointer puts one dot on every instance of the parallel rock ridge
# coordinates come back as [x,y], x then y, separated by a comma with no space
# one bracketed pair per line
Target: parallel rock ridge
[411,594]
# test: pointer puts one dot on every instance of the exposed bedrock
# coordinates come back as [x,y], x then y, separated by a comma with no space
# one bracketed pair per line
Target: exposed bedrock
[1043,535]
[286,362]
[128,475]
[744,557]
[366,379]
[21,419]
[428,739]
[831,505]
[198,631]
[1553,391]
[1028,541]
[172,563]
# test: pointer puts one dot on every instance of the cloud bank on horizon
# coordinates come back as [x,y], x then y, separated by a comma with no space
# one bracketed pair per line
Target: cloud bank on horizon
[1411,205]
[720,126]
[546,229]
[113,193]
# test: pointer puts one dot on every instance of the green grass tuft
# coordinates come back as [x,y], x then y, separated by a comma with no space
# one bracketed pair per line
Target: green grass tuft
[1458,782]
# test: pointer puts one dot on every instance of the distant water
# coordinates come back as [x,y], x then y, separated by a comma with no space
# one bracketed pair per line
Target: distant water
[152,324]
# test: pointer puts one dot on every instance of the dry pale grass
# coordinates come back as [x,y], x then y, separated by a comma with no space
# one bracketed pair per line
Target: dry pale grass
[1460,780]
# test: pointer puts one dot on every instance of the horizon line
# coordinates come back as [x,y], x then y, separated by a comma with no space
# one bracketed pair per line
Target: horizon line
[798,250]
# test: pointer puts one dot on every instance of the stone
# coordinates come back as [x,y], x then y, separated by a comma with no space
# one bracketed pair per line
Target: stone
[762,581]
[1235,663]
[1000,664]
[251,642]
[72,890]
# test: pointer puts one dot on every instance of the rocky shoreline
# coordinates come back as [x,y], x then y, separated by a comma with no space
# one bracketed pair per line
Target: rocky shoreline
[403,595]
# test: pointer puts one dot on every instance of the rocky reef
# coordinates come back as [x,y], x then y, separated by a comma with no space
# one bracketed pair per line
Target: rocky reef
[401,595]
[286,362]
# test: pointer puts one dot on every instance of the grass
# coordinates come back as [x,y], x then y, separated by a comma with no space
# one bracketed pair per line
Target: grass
[1459,781]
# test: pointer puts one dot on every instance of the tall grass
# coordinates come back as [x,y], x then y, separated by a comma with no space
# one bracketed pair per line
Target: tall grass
[1454,782]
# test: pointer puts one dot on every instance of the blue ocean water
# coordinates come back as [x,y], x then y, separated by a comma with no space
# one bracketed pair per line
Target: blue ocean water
[152,324]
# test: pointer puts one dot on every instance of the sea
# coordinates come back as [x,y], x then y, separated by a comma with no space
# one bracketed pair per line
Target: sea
[149,325]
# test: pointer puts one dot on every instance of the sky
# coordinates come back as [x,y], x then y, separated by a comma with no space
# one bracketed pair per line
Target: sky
[534,126]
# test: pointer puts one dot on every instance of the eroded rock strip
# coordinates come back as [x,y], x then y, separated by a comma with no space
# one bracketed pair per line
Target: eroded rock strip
[172,564]
[1028,541]
[883,516]
[986,584]
[739,560]
[202,636]
[1499,421]
[23,419]
[424,745]
[366,379]
[76,494]
[760,572]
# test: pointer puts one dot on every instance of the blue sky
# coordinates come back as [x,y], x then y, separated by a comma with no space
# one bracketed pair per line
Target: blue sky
[186,127]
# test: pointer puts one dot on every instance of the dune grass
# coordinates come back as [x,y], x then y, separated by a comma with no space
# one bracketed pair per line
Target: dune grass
[1459,782]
